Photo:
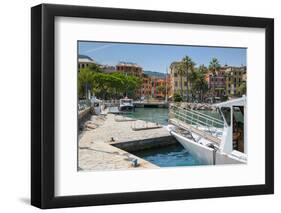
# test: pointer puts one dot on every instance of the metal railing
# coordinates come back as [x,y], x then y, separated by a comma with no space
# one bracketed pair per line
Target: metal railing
[83,104]
[195,118]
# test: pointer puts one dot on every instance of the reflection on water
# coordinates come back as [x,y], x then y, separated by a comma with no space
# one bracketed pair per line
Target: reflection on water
[156,115]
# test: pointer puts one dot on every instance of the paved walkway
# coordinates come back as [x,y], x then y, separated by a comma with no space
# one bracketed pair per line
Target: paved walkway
[95,152]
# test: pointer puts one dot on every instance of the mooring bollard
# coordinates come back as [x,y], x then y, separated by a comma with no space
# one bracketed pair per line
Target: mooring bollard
[135,162]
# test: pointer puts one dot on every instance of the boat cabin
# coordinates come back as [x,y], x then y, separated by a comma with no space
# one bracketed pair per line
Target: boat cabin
[126,101]
[234,114]
[126,104]
[96,105]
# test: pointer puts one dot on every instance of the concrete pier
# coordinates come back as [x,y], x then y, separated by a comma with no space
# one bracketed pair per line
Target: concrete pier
[151,104]
[107,147]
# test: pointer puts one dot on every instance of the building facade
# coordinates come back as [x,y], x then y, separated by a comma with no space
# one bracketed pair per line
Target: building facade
[84,61]
[146,89]
[221,84]
[216,83]
[234,77]
[177,81]
[130,69]
[108,68]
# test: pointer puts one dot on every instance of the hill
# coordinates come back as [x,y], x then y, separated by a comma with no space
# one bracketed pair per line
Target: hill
[154,74]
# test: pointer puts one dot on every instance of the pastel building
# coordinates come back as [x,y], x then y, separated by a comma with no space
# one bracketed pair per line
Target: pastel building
[234,76]
[175,80]
[84,61]
[216,83]
[146,89]
[130,69]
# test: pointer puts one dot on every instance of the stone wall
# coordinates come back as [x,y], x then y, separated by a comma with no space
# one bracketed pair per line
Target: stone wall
[150,143]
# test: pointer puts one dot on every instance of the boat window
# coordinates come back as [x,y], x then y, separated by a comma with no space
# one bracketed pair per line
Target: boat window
[238,128]
[226,114]
[238,113]
[126,101]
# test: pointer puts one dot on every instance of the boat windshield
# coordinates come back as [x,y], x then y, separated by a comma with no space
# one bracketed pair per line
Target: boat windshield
[226,114]
[238,128]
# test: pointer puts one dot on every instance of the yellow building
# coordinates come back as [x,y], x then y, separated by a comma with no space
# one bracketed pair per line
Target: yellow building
[175,80]
[234,76]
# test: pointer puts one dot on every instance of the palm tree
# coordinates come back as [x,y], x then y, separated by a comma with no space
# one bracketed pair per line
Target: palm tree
[181,73]
[188,66]
[201,80]
[214,65]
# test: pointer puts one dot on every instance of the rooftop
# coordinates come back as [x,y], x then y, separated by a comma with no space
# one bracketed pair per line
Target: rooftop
[85,59]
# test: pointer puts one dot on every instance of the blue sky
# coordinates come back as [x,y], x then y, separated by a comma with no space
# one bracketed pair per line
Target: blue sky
[159,57]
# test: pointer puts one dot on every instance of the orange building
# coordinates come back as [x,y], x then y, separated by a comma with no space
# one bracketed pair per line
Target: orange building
[130,69]
[146,86]
[161,87]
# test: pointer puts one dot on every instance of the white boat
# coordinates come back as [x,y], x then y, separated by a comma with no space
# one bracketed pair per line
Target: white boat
[126,104]
[96,105]
[210,140]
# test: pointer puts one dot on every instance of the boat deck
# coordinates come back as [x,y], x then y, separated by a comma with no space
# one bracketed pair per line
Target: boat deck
[199,132]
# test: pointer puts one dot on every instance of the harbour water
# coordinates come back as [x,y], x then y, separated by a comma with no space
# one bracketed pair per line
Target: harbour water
[155,115]
[160,115]
[170,156]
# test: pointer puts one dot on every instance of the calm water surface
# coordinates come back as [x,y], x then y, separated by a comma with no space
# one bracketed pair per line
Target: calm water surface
[160,115]
[156,115]
[170,156]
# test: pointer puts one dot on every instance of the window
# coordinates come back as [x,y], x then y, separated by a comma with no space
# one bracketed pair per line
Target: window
[226,114]
[175,75]
[238,128]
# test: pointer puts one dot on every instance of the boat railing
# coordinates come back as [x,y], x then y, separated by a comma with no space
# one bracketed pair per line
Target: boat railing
[195,118]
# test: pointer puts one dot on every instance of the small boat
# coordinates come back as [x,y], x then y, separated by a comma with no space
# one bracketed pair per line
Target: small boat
[126,104]
[96,105]
[210,140]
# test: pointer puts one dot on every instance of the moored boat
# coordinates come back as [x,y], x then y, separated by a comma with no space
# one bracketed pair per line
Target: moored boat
[126,104]
[212,140]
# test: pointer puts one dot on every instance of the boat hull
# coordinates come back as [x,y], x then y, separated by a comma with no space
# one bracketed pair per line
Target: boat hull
[204,154]
[126,108]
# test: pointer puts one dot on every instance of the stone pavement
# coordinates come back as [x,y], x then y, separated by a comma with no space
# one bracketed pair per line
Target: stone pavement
[96,152]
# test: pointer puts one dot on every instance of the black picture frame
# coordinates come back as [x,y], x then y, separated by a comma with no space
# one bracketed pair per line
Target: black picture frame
[43,102]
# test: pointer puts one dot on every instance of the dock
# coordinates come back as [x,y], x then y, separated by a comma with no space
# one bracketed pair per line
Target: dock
[155,104]
[108,146]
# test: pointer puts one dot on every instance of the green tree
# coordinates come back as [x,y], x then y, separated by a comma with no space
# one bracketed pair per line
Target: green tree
[177,97]
[85,81]
[242,88]
[214,66]
[132,84]
[161,89]
[181,73]
[188,67]
[198,82]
